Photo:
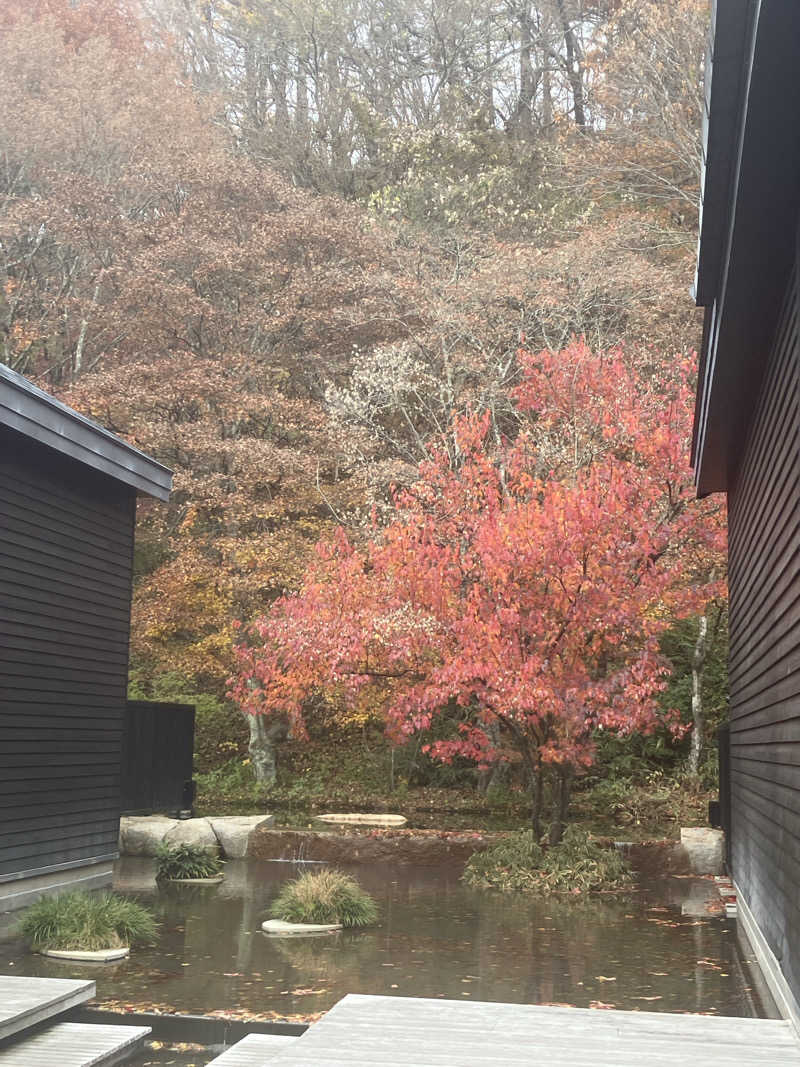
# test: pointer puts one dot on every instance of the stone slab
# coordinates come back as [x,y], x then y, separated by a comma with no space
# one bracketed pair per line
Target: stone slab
[140,835]
[196,832]
[363,819]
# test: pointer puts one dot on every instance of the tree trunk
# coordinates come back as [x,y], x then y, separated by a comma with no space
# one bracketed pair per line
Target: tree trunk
[561,797]
[527,85]
[547,101]
[265,735]
[536,786]
[698,714]
[574,67]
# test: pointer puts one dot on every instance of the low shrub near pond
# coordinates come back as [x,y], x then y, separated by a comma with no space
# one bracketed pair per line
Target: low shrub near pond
[87,922]
[186,861]
[328,896]
[577,864]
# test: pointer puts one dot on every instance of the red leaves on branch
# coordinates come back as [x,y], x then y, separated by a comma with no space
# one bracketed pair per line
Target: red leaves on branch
[527,587]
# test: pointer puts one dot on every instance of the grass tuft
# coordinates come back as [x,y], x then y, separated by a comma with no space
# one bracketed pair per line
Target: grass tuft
[576,865]
[328,896]
[186,861]
[87,921]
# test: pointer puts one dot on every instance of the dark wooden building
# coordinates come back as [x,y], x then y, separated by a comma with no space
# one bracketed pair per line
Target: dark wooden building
[67,509]
[746,445]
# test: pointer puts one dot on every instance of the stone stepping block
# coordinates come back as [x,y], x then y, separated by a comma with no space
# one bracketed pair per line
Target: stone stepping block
[359,819]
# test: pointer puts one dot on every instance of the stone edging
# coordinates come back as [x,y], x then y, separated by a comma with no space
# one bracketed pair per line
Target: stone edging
[140,835]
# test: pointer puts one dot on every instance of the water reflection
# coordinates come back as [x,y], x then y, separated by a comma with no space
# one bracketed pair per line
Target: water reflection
[655,950]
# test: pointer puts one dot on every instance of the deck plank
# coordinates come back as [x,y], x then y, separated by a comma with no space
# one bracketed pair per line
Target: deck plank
[75,1045]
[366,1031]
[25,1002]
[254,1050]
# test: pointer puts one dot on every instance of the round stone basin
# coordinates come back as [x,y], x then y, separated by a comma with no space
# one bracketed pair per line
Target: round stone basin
[101,955]
[279,928]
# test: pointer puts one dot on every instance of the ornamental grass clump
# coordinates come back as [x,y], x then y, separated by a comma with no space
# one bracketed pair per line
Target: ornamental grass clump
[328,896]
[577,864]
[87,922]
[186,861]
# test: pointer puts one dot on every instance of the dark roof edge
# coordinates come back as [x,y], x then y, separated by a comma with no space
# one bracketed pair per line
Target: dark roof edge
[30,411]
[726,75]
[734,37]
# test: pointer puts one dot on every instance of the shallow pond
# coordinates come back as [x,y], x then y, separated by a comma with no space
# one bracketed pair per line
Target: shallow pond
[656,949]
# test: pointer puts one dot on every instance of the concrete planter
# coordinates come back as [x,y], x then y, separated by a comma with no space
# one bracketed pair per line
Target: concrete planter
[100,955]
[279,928]
[215,879]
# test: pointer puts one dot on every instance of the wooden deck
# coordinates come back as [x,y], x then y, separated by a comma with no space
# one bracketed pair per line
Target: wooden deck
[366,1031]
[25,1002]
[75,1045]
[255,1050]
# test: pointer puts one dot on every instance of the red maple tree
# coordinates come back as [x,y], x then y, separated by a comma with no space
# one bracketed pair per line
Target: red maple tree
[520,591]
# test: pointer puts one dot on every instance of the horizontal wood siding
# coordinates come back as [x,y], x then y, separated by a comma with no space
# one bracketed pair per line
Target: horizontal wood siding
[66,551]
[764,517]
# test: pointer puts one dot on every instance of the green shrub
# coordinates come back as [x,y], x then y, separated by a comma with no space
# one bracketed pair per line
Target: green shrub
[577,864]
[87,921]
[186,861]
[327,896]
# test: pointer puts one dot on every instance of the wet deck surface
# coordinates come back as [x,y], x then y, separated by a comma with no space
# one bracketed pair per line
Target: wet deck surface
[255,1050]
[405,1032]
[24,1002]
[75,1045]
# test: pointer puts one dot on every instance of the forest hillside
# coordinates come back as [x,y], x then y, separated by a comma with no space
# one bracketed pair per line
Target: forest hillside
[285,248]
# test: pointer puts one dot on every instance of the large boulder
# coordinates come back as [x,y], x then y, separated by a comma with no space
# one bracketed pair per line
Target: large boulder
[193,832]
[140,835]
[705,848]
[233,832]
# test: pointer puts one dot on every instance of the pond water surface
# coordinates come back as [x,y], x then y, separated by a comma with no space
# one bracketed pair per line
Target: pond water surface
[656,949]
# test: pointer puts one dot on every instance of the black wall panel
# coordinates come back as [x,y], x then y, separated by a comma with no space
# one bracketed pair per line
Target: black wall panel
[764,524]
[66,551]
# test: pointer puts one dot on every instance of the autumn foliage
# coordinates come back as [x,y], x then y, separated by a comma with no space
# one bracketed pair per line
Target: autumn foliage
[169,269]
[519,592]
